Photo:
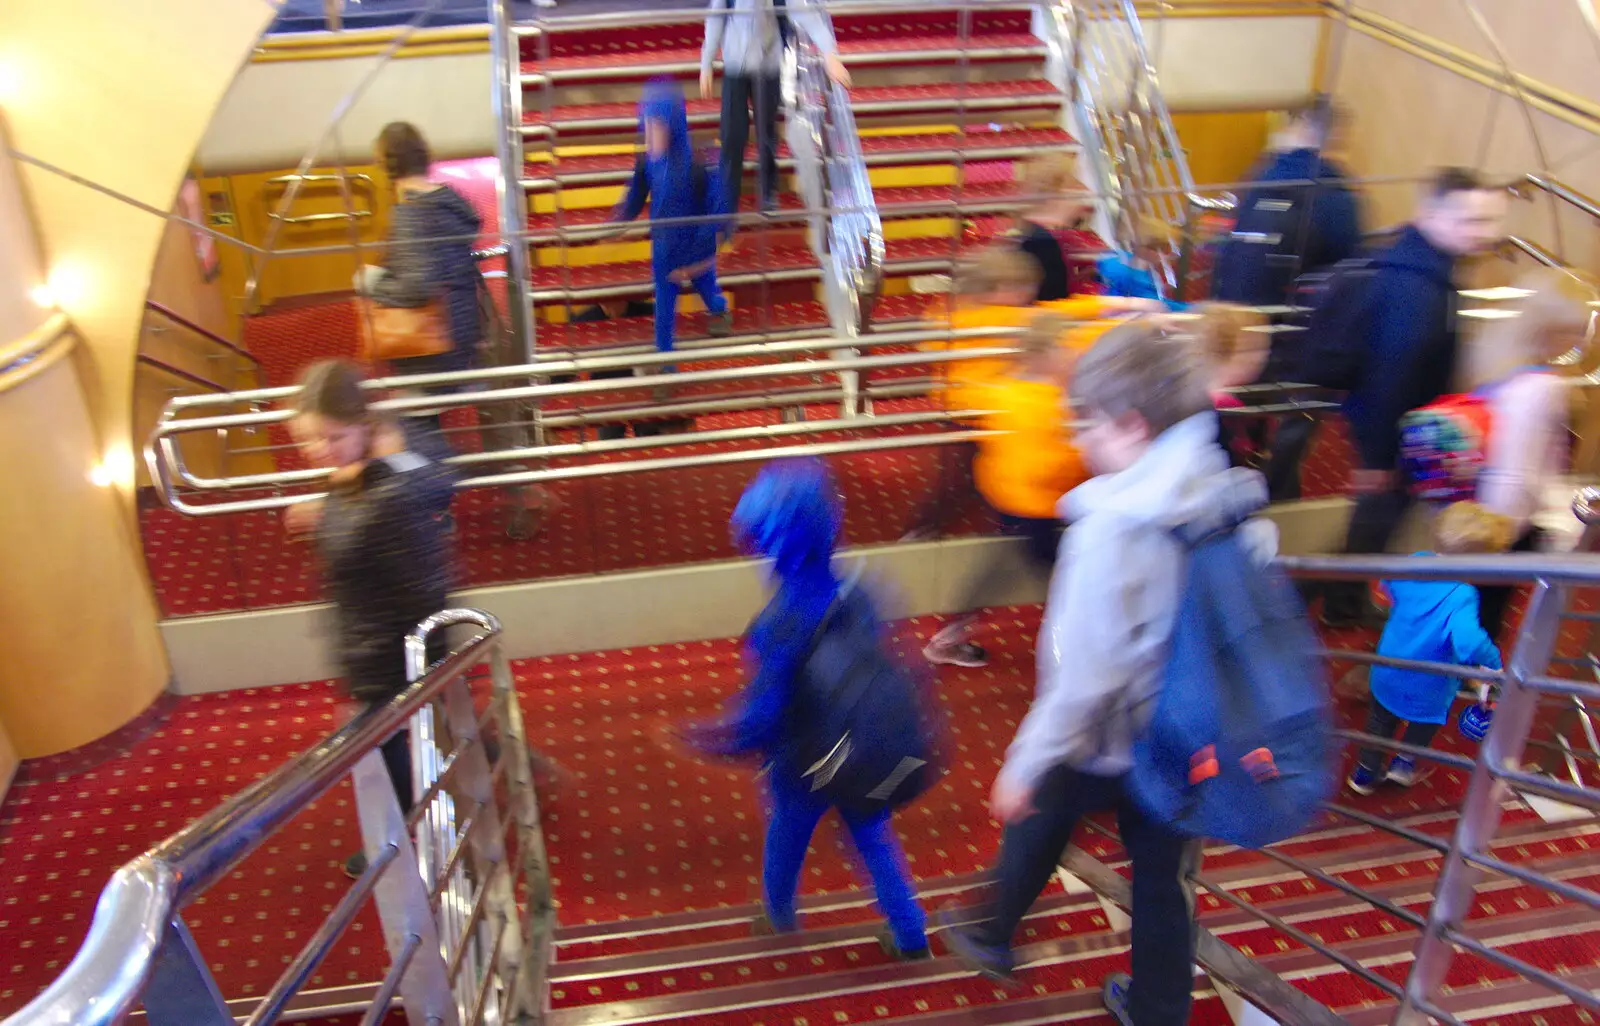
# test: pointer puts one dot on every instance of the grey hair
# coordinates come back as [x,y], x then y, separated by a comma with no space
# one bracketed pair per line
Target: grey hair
[1138,368]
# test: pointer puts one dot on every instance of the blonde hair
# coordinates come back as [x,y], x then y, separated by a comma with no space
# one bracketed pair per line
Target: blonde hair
[1466,527]
[1559,304]
[1138,368]
[1050,175]
[1232,339]
[999,269]
[1044,334]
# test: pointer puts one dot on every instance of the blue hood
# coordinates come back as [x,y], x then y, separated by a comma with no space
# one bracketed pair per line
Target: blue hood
[1301,165]
[791,515]
[663,101]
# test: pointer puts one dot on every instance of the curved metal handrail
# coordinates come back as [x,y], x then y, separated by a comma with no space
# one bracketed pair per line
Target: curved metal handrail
[106,978]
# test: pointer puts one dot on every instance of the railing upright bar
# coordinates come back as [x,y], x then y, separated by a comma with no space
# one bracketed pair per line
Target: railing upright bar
[402,897]
[1481,808]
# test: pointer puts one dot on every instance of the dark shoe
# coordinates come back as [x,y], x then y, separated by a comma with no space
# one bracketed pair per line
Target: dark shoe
[988,961]
[355,865]
[1114,992]
[720,325]
[1362,781]
[769,205]
[887,943]
[962,653]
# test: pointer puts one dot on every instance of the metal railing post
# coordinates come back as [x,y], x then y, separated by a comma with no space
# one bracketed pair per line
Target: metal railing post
[182,991]
[509,198]
[1483,804]
[401,895]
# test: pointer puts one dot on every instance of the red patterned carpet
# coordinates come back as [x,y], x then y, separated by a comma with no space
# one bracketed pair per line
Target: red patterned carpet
[641,829]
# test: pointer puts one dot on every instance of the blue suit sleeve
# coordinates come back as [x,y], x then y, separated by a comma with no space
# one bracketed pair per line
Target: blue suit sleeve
[1469,642]
[638,193]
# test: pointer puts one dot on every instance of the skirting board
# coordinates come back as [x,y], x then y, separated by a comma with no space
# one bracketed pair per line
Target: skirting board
[623,610]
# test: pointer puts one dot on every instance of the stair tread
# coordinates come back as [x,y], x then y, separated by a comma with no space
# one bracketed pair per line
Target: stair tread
[746,320]
[862,98]
[631,56]
[975,139]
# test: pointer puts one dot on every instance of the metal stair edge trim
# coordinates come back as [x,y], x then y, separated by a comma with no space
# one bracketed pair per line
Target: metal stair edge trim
[1238,971]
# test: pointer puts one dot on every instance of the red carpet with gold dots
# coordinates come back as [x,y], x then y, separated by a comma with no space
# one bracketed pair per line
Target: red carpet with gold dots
[639,830]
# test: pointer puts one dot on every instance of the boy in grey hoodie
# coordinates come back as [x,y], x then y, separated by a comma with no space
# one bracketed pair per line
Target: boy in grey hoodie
[1151,437]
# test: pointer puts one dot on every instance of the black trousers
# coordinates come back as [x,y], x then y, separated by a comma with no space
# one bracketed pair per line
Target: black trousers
[1163,913]
[1373,521]
[1494,599]
[1382,723]
[1032,552]
[740,95]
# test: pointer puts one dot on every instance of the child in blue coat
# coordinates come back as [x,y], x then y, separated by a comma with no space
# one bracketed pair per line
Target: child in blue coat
[672,177]
[1435,621]
[790,515]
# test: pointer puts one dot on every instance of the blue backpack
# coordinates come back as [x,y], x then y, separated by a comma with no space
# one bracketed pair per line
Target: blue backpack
[1240,746]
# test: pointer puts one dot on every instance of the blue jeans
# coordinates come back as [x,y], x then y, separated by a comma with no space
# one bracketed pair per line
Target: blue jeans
[667,303]
[795,812]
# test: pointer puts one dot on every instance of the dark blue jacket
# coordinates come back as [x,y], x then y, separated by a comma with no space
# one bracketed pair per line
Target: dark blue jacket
[676,184]
[1259,274]
[1412,354]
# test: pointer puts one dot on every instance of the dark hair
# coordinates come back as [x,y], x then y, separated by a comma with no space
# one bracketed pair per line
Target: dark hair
[404,150]
[1450,180]
[1319,113]
[332,389]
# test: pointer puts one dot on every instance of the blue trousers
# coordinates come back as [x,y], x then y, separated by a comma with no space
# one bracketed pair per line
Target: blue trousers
[667,303]
[795,812]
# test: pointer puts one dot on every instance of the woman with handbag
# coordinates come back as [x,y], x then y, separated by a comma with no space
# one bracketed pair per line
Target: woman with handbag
[428,311]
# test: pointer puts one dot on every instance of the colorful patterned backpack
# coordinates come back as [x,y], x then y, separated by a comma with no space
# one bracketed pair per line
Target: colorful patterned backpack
[1443,446]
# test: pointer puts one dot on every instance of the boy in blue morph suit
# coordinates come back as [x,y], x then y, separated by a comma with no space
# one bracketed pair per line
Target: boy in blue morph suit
[670,175]
[790,515]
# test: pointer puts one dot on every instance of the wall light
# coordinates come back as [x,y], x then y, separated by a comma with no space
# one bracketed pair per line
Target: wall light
[115,468]
[66,286]
[10,78]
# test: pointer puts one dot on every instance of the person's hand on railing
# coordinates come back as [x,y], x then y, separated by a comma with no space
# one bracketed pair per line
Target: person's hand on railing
[300,521]
[835,68]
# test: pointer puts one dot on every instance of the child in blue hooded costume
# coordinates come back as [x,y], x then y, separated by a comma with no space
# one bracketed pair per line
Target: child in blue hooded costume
[671,176]
[790,514]
[1435,621]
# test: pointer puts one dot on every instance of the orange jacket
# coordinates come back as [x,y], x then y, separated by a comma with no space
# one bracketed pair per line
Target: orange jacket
[964,376]
[1027,467]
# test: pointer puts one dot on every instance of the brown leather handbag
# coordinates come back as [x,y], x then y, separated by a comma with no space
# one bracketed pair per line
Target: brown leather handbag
[402,332]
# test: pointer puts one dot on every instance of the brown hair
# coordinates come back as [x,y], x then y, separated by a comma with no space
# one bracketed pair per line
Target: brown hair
[404,151]
[1466,527]
[332,389]
[999,269]
[1449,180]
[1138,368]
[1232,339]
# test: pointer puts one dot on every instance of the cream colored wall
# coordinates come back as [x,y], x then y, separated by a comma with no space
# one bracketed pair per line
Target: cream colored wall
[274,112]
[1411,115]
[120,94]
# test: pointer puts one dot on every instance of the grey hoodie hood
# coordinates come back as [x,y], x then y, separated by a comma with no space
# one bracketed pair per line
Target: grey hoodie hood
[1103,643]
[1182,480]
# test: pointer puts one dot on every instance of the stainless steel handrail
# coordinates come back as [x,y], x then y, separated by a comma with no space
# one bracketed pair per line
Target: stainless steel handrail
[107,977]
